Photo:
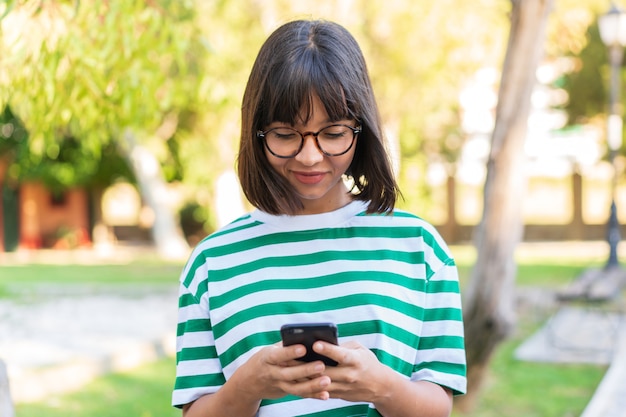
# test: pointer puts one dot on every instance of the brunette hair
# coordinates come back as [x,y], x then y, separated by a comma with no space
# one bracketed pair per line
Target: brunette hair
[298,60]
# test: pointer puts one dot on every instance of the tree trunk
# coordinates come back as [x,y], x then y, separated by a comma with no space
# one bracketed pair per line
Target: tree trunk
[6,404]
[166,231]
[102,235]
[489,299]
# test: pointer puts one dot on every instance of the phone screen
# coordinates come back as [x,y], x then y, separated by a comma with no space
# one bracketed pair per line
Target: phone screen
[308,333]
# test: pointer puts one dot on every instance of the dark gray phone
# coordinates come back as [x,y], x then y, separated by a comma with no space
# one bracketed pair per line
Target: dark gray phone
[308,333]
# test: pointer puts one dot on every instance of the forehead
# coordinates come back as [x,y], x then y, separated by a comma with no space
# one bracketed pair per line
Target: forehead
[314,118]
[308,106]
[293,86]
[314,113]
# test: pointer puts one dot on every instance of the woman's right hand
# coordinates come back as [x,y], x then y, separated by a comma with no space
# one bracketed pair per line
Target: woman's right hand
[274,372]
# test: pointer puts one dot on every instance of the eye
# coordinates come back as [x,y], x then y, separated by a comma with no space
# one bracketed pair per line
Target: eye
[334,132]
[284,133]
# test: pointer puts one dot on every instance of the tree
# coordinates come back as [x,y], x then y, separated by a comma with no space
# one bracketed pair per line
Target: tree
[586,85]
[209,137]
[489,298]
[98,72]
[421,55]
[418,113]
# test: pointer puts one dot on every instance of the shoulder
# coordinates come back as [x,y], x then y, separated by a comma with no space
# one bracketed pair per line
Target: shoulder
[228,234]
[404,224]
[215,244]
[400,219]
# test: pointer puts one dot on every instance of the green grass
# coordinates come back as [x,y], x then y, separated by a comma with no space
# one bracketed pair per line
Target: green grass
[547,270]
[137,273]
[144,392]
[37,278]
[515,388]
[512,388]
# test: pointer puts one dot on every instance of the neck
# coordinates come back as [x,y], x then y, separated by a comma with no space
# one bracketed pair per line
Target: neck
[325,206]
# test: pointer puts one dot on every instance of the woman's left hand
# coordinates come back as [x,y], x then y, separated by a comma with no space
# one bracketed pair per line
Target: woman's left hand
[359,375]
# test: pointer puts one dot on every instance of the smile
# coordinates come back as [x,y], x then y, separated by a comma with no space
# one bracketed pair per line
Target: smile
[309,177]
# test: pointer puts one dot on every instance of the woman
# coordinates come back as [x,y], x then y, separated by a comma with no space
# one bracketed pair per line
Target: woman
[324,245]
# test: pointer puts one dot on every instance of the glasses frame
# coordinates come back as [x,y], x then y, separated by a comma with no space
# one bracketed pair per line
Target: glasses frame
[355,131]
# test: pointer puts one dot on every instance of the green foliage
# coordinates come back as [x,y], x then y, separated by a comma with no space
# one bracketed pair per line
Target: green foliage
[12,133]
[574,34]
[96,68]
[568,25]
[207,139]
[588,81]
[586,85]
[174,73]
[421,55]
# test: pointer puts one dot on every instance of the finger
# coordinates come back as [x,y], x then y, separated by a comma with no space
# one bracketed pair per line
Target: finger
[337,353]
[285,355]
[310,388]
[302,371]
[352,344]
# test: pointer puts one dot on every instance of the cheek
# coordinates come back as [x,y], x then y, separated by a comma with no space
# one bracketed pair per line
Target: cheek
[276,163]
[346,162]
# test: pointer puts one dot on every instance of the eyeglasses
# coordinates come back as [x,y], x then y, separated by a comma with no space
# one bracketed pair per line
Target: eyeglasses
[333,140]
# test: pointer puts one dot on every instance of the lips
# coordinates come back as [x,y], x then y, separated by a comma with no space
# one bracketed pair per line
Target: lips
[309,177]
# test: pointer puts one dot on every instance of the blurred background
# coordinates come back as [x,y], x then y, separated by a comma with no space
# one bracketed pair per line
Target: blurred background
[117,117]
[119,129]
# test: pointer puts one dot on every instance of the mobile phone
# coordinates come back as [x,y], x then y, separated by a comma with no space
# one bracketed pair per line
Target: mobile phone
[308,333]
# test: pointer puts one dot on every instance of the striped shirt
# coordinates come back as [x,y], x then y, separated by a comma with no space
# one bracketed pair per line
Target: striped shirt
[387,281]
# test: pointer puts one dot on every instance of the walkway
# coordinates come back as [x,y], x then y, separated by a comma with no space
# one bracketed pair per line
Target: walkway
[56,340]
[58,345]
[588,327]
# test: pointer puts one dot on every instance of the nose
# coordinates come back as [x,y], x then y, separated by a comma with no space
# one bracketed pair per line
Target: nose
[310,153]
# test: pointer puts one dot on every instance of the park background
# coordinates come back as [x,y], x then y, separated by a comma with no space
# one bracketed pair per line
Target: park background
[121,116]
[120,120]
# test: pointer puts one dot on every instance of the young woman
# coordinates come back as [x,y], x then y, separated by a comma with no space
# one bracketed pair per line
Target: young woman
[324,245]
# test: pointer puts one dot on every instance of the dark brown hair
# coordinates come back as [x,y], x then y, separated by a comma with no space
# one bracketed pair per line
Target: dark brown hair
[300,59]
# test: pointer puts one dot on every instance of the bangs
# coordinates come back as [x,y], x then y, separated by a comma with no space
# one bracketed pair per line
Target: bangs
[290,88]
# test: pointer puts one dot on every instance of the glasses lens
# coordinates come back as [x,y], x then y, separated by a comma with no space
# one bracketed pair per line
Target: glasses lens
[283,141]
[335,139]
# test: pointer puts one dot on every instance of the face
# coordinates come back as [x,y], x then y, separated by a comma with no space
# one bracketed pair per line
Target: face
[316,178]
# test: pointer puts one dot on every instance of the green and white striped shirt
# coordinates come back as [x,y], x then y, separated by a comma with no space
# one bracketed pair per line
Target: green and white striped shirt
[387,281]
